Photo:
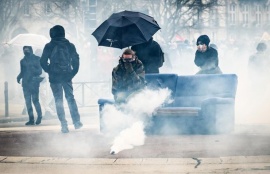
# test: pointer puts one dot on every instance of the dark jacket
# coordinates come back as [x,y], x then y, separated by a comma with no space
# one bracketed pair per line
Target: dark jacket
[30,70]
[58,38]
[207,61]
[127,83]
[150,54]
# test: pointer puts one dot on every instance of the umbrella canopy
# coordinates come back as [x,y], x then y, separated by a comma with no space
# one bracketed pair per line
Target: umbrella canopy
[125,29]
[34,40]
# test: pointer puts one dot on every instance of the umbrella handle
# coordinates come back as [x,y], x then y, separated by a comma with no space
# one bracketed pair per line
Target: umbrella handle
[110,40]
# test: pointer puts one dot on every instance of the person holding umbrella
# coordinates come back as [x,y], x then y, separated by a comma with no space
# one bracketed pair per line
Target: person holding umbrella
[151,55]
[128,76]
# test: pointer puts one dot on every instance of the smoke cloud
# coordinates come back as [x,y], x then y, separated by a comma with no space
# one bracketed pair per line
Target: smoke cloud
[132,117]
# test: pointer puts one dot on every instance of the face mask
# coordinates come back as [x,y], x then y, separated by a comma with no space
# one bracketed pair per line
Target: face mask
[26,53]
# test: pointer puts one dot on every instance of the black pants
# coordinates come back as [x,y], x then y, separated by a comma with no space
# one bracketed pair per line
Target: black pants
[31,93]
[57,89]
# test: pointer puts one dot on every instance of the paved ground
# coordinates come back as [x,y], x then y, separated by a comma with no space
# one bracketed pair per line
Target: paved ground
[43,149]
[251,164]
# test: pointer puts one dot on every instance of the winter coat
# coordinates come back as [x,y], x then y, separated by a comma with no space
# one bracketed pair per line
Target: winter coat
[30,70]
[124,83]
[46,55]
[207,61]
[150,54]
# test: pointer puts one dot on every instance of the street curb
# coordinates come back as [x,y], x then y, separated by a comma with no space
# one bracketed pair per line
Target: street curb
[137,161]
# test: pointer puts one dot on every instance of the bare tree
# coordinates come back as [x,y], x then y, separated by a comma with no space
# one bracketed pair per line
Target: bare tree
[176,16]
[68,11]
[9,14]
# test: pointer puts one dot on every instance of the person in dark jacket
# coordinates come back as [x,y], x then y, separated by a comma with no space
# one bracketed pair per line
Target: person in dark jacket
[206,57]
[30,72]
[150,54]
[128,77]
[61,79]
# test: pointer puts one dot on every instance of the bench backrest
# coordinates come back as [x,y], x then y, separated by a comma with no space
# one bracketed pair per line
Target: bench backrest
[191,90]
[155,81]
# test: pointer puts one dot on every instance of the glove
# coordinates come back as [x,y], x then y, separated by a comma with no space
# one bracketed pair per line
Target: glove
[18,80]
[129,67]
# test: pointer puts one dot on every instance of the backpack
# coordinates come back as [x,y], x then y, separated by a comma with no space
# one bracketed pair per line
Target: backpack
[161,58]
[60,60]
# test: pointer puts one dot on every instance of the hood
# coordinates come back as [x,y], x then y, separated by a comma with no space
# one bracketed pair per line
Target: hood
[57,31]
[30,48]
[204,39]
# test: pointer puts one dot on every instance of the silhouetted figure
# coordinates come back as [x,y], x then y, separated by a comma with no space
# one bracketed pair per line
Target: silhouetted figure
[206,57]
[61,61]
[259,63]
[30,75]
[150,54]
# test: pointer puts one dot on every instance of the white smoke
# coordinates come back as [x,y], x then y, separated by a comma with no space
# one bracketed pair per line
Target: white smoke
[131,118]
[128,138]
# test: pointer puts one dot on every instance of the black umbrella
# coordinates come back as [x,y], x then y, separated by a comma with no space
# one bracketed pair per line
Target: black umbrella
[125,29]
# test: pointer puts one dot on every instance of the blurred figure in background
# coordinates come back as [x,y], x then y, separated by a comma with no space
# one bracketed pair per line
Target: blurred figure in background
[206,57]
[258,94]
[259,65]
[30,75]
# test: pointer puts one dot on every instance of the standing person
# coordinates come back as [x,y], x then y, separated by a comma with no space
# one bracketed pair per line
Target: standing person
[128,76]
[150,54]
[30,72]
[206,57]
[63,65]
[258,64]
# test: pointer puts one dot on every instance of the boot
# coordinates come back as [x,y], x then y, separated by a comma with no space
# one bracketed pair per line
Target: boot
[32,122]
[64,129]
[38,120]
[78,125]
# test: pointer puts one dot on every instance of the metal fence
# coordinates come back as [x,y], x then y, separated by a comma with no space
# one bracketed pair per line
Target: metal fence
[88,93]
[85,93]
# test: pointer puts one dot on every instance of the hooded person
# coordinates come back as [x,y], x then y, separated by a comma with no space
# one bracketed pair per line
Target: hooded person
[61,61]
[206,57]
[30,71]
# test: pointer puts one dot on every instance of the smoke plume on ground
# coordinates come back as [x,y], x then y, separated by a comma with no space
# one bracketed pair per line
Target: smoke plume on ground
[126,122]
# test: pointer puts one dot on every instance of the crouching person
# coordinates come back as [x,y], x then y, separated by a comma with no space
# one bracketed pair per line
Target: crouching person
[128,77]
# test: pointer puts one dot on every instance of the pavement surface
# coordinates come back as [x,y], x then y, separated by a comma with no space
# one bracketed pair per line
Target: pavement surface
[44,149]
